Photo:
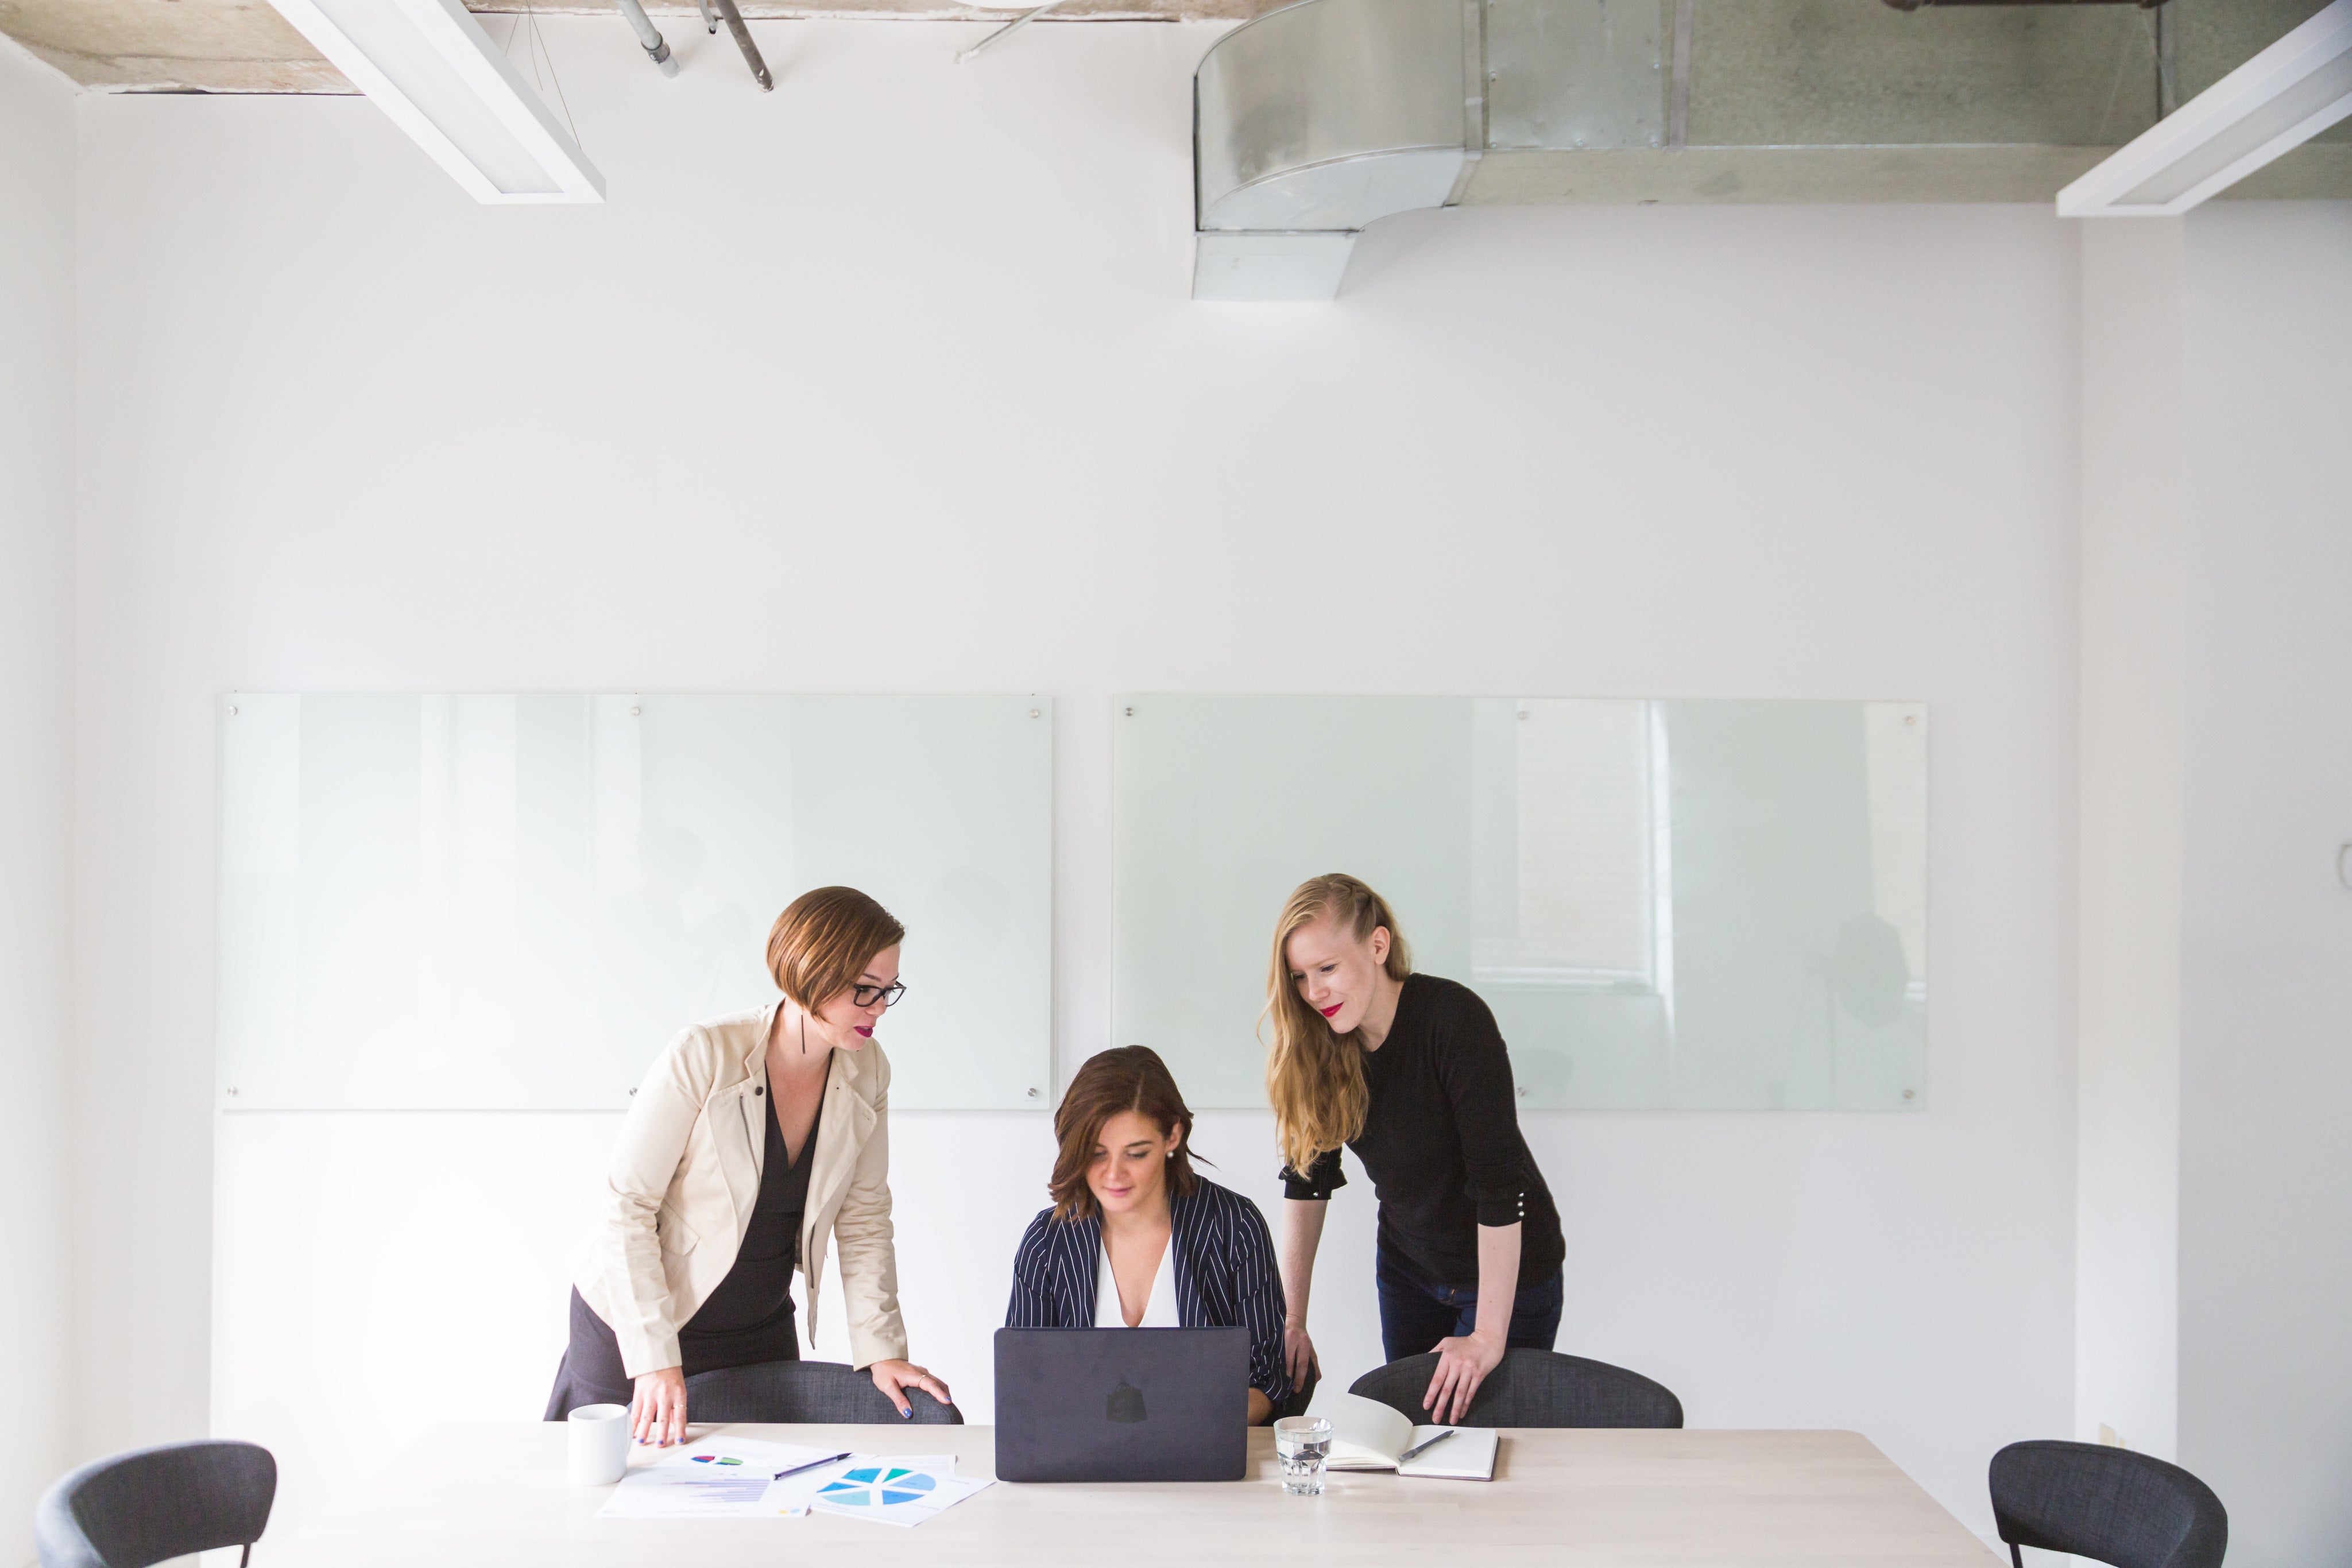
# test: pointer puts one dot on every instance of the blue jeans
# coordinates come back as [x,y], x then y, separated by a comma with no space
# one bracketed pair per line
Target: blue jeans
[1416,1315]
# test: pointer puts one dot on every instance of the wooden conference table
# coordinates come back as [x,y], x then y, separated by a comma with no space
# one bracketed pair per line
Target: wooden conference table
[491,1494]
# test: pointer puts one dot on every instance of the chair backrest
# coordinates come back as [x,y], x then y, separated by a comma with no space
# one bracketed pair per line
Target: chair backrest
[806,1391]
[149,1504]
[2109,1504]
[1533,1388]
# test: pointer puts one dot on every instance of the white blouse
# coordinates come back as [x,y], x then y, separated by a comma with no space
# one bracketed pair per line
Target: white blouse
[1159,1312]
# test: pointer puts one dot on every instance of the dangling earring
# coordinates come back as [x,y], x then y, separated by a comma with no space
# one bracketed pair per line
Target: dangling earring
[804,1034]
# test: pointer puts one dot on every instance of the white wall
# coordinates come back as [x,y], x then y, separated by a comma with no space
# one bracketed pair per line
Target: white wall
[36,554]
[888,381]
[2266,1080]
[2127,1337]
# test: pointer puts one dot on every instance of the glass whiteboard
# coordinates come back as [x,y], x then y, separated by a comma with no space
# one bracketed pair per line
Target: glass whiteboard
[514,902]
[1712,904]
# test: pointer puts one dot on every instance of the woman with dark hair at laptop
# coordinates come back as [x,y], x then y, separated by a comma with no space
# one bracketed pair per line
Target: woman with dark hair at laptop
[1135,1239]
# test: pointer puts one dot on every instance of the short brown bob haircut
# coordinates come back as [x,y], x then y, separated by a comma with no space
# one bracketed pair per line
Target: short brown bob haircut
[1131,1078]
[823,941]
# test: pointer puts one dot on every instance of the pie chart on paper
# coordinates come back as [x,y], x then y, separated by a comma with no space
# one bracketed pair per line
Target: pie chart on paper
[878,1487]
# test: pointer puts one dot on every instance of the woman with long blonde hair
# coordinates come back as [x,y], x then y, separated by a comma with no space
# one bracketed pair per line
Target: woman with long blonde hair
[1410,1071]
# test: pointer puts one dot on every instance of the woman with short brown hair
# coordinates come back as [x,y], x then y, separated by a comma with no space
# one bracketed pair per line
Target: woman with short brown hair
[754,1139]
[1135,1237]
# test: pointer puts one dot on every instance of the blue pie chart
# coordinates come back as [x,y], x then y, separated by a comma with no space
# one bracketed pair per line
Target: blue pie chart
[877,1486]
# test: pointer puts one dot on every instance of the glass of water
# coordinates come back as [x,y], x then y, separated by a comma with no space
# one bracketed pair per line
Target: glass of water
[1303,1442]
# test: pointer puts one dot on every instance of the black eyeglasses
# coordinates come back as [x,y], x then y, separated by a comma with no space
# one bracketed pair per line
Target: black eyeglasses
[864,994]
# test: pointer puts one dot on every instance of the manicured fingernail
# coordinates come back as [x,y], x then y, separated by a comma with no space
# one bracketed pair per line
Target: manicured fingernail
[908,1413]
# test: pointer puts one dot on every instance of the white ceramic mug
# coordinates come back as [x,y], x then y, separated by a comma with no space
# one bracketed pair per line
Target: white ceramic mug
[600,1444]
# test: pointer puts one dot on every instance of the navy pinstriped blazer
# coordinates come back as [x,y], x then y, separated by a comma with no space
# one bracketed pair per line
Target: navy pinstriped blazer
[1226,1276]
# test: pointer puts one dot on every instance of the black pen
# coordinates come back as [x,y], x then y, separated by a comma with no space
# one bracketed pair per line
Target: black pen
[1424,1448]
[812,1464]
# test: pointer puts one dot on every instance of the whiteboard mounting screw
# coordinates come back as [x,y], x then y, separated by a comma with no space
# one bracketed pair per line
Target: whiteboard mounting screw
[1032,712]
[1910,1093]
[1523,714]
[232,1091]
[1031,1093]
[232,710]
[634,711]
[1523,1091]
[1910,718]
[1130,713]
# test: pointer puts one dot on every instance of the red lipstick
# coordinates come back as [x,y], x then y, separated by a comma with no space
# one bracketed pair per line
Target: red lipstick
[1332,1011]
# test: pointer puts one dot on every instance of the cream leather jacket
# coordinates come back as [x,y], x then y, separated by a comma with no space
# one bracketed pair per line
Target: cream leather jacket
[679,1193]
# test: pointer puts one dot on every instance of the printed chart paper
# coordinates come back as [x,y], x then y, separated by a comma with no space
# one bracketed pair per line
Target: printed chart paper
[719,1478]
[898,1489]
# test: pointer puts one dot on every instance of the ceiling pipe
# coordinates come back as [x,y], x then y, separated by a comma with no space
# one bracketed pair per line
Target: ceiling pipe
[657,50]
[1915,5]
[743,41]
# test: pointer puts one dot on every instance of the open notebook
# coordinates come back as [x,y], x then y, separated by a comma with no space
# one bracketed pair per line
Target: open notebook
[1365,1435]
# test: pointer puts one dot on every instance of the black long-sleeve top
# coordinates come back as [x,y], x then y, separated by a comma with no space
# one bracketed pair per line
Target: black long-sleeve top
[1442,1143]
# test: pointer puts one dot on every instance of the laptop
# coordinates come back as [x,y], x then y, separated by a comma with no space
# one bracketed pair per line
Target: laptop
[1122,1405]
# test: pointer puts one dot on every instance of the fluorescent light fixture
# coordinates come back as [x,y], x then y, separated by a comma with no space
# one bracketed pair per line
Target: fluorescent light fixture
[430,66]
[2279,99]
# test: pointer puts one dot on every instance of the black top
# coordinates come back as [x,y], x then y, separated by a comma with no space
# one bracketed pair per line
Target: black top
[1442,1143]
[749,1315]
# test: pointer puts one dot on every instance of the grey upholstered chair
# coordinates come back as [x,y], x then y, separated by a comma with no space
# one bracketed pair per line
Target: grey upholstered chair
[806,1391]
[1533,1388]
[152,1503]
[2107,1504]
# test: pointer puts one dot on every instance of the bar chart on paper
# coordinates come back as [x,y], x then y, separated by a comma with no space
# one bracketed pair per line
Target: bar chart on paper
[720,1477]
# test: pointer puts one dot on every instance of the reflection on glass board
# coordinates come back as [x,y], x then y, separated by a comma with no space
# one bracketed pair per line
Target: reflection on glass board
[516,901]
[1694,904]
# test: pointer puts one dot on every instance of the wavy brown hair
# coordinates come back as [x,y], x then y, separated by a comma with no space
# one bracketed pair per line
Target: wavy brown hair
[823,941]
[1315,1078]
[1131,1078]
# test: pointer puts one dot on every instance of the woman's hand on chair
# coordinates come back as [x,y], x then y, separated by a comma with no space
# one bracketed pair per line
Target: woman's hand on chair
[1463,1363]
[894,1377]
[657,1412]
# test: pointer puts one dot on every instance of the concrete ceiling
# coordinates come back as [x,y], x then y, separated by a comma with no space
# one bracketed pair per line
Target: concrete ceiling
[244,46]
[212,46]
[1789,100]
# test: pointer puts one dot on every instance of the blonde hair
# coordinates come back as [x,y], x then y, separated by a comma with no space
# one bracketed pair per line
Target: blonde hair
[1313,1077]
[824,940]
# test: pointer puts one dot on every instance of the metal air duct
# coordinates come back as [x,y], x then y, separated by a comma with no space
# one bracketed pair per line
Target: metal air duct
[1315,119]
